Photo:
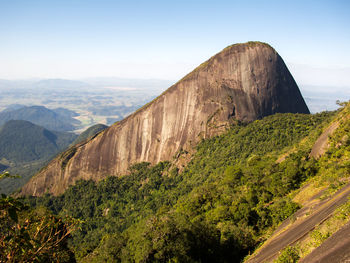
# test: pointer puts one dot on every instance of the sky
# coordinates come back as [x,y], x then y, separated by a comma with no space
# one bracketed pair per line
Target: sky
[167,39]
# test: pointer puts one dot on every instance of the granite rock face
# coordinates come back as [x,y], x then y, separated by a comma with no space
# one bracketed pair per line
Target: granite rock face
[243,82]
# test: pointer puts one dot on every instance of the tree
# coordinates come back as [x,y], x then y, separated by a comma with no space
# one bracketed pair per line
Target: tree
[32,235]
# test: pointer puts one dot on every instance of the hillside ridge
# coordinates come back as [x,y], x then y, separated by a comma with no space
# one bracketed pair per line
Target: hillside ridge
[42,116]
[25,147]
[243,82]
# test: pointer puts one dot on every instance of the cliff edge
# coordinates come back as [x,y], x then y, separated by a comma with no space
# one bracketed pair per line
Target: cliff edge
[243,82]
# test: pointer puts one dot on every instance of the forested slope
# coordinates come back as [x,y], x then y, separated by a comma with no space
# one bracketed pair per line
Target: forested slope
[55,120]
[25,148]
[224,203]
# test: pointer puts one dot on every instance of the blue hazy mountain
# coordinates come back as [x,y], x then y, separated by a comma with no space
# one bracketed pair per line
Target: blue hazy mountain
[56,120]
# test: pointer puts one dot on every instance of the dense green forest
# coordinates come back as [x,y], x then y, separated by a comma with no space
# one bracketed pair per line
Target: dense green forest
[25,148]
[219,208]
[23,141]
[32,234]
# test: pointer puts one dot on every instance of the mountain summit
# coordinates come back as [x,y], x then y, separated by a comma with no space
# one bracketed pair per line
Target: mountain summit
[243,82]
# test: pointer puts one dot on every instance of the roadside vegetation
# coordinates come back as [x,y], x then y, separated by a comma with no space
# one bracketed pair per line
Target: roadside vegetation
[235,191]
[333,174]
[225,202]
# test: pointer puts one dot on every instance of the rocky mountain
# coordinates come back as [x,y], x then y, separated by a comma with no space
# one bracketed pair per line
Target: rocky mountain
[255,183]
[89,132]
[243,82]
[57,121]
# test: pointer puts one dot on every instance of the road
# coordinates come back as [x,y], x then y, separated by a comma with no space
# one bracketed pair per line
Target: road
[321,143]
[335,249]
[300,228]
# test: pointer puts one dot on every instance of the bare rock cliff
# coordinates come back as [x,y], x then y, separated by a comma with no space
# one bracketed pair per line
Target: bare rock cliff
[244,82]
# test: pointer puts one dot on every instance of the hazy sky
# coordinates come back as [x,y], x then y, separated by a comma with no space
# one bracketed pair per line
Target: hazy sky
[167,39]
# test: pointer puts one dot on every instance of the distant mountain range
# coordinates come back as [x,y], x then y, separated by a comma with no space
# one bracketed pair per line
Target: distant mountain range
[25,147]
[22,141]
[58,120]
[150,84]
[59,83]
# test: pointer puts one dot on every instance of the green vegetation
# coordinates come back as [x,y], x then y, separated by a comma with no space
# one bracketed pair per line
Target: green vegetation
[315,238]
[220,207]
[66,156]
[25,147]
[335,163]
[249,44]
[333,172]
[288,255]
[60,120]
[106,97]
[32,235]
[88,133]
[22,141]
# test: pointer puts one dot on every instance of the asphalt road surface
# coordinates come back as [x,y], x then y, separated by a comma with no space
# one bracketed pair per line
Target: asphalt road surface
[301,227]
[335,249]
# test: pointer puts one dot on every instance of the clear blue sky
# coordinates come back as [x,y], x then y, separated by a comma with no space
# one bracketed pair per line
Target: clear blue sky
[163,39]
